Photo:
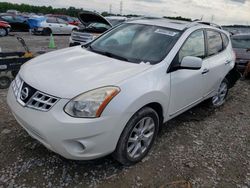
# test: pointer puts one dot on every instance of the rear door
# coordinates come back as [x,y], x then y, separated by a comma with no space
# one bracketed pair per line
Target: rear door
[187,85]
[218,61]
[53,24]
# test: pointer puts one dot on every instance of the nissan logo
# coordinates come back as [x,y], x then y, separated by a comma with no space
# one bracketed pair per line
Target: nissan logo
[24,93]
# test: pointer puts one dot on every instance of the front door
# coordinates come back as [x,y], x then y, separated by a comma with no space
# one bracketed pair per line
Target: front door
[187,85]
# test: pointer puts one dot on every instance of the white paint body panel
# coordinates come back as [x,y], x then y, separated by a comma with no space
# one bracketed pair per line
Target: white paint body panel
[69,72]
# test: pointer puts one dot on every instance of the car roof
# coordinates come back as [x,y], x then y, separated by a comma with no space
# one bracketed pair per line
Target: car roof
[116,17]
[169,23]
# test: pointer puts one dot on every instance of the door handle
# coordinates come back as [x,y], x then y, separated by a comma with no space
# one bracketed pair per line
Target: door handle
[205,71]
[228,62]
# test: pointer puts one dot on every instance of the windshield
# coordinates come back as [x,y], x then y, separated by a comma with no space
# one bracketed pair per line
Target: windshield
[241,43]
[136,43]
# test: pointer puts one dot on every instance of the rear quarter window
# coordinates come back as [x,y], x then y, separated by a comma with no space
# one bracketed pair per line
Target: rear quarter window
[225,40]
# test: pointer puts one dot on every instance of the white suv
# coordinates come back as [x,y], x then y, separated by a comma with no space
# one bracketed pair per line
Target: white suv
[112,95]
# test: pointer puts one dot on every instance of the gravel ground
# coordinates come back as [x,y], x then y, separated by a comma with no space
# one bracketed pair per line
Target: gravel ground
[204,147]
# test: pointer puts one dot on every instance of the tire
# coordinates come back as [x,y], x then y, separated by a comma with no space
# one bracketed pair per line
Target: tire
[127,150]
[220,98]
[4,82]
[3,32]
[47,31]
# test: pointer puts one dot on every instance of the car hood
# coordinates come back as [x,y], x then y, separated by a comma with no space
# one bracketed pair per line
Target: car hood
[69,72]
[88,17]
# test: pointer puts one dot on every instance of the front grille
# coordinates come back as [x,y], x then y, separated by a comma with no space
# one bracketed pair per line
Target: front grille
[42,101]
[82,37]
[30,97]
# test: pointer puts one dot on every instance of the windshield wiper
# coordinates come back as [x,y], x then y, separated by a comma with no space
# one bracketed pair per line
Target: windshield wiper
[114,56]
[108,54]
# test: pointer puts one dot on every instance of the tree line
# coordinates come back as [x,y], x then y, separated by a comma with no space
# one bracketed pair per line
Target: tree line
[71,11]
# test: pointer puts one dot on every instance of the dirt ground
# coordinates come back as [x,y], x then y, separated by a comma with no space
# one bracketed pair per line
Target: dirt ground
[202,148]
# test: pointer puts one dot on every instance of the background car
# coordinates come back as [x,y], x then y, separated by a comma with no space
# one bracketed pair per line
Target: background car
[241,45]
[48,25]
[95,26]
[67,19]
[4,28]
[17,22]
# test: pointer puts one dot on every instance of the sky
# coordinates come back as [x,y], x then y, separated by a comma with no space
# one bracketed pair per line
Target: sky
[218,11]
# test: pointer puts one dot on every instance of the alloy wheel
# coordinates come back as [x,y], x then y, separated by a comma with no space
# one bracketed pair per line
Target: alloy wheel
[141,137]
[220,97]
[3,32]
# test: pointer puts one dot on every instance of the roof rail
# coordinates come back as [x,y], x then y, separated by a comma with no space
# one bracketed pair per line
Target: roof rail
[197,21]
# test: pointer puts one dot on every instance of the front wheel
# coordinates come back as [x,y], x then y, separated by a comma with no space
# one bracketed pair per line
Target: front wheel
[3,32]
[220,97]
[46,31]
[138,137]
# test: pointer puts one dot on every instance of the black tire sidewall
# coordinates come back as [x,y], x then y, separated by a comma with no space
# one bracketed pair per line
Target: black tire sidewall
[47,31]
[7,79]
[120,153]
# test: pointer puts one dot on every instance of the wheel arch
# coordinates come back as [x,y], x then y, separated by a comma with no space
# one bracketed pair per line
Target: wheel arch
[158,108]
[232,77]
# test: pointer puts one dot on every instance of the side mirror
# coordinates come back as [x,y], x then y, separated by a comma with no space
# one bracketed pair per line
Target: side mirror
[192,63]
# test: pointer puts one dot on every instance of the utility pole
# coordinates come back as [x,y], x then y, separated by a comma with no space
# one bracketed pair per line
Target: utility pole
[110,9]
[121,7]
[212,18]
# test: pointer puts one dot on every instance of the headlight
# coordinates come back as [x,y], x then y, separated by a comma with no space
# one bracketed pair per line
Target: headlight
[92,103]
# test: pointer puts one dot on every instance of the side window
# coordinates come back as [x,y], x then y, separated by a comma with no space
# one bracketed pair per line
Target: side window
[225,40]
[215,44]
[61,21]
[8,18]
[51,20]
[194,46]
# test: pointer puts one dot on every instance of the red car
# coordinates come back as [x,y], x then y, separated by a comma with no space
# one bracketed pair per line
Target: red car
[4,28]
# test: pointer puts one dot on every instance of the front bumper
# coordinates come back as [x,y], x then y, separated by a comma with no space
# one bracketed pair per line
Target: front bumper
[73,138]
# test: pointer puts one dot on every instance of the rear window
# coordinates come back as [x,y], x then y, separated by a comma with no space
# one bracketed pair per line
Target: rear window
[215,44]
[238,42]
